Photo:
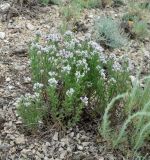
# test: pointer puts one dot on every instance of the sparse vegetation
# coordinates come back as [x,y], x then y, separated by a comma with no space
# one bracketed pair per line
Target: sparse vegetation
[109,33]
[136,113]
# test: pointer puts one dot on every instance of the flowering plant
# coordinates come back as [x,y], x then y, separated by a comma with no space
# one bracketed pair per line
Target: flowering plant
[73,75]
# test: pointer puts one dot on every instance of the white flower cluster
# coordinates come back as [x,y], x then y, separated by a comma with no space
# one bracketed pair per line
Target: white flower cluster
[37,86]
[70,92]
[52,82]
[27,99]
[103,58]
[117,66]
[65,54]
[53,37]
[70,45]
[68,33]
[52,74]
[79,75]
[66,69]
[112,80]
[83,64]
[102,73]
[96,46]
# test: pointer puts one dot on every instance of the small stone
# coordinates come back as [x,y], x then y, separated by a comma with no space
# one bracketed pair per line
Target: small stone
[91,16]
[19,67]
[55,137]
[80,147]
[25,151]
[8,79]
[20,49]
[85,144]
[4,7]
[2,35]
[60,149]
[69,149]
[40,155]
[27,79]
[20,140]
[47,144]
[30,26]
[4,147]
[72,134]
[11,87]
[63,155]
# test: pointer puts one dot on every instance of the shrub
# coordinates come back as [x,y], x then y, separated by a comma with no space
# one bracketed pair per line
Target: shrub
[140,29]
[72,76]
[135,127]
[109,33]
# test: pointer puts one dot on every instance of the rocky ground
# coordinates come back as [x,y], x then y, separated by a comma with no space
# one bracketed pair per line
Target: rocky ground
[15,81]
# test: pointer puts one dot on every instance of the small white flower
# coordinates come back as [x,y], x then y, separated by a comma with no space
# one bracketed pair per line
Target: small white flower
[67,69]
[113,80]
[53,37]
[36,95]
[37,86]
[116,66]
[113,56]
[52,73]
[39,52]
[27,104]
[102,73]
[41,71]
[27,95]
[79,75]
[96,46]
[52,82]
[69,33]
[84,100]
[70,92]
[103,58]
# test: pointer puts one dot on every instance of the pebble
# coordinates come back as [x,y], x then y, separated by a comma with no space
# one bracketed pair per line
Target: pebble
[8,79]
[85,144]
[30,26]
[63,154]
[20,140]
[2,35]
[4,7]
[80,147]
[55,137]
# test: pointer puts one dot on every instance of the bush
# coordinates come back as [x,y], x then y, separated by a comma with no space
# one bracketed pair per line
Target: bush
[109,33]
[72,76]
[140,29]
[134,129]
